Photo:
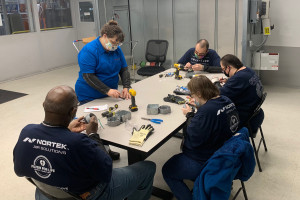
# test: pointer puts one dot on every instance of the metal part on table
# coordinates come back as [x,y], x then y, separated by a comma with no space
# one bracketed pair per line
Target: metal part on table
[152,109]
[189,74]
[114,121]
[164,109]
[124,115]
[120,117]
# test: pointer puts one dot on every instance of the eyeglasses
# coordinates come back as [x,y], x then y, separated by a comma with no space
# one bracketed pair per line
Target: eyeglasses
[200,54]
[115,43]
[224,68]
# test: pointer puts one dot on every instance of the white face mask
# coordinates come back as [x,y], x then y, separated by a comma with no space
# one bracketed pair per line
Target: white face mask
[109,46]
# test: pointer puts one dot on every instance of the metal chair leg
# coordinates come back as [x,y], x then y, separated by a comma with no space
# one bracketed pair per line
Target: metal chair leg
[256,153]
[237,193]
[244,190]
[239,190]
[263,138]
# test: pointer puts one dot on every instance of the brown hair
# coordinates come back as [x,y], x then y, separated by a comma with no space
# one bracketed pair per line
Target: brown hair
[202,86]
[112,29]
[232,60]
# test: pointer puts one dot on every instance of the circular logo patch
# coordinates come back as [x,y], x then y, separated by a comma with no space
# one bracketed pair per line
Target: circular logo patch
[234,123]
[42,167]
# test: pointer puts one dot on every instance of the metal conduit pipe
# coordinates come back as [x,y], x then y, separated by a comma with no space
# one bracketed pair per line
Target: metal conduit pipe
[216,26]
[236,36]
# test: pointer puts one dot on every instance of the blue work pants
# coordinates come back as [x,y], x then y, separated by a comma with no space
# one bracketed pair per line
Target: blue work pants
[178,168]
[133,182]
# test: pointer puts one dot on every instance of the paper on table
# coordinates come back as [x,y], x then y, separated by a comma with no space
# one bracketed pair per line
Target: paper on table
[96,108]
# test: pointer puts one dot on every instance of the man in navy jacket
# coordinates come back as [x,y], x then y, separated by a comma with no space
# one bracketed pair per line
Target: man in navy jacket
[243,87]
[200,58]
[56,153]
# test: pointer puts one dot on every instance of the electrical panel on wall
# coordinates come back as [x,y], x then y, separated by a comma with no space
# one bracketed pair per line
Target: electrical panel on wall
[255,11]
[265,17]
[259,16]
[260,24]
[266,61]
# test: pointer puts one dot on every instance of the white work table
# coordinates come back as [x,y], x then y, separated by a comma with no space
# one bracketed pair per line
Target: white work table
[151,90]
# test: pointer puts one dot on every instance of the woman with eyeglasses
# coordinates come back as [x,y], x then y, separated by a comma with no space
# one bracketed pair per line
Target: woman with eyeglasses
[215,121]
[101,61]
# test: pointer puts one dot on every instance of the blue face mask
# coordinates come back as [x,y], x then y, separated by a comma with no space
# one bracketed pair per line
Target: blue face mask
[197,104]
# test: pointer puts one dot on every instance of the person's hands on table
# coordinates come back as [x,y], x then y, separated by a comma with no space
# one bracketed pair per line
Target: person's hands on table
[191,101]
[188,66]
[114,93]
[223,80]
[125,94]
[77,125]
[186,109]
[92,127]
[197,67]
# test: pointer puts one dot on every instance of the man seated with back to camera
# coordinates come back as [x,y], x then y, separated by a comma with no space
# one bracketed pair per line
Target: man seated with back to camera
[73,161]
[215,121]
[243,87]
[201,58]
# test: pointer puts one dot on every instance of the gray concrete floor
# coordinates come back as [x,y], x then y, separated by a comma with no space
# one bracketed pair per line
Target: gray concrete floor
[280,179]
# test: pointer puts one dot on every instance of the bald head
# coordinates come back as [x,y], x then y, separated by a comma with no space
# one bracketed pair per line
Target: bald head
[203,43]
[60,100]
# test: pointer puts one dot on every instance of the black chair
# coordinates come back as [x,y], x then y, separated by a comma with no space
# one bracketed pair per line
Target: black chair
[51,192]
[156,51]
[253,124]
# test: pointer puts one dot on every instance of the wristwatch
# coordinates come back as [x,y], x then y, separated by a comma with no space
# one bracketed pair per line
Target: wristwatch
[190,114]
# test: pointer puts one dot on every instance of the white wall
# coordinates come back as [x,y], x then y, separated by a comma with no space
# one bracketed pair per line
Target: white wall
[30,53]
[285,40]
[182,23]
[286,17]
[226,25]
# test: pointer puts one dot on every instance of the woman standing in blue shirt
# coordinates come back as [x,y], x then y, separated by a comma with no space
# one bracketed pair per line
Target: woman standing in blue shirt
[215,121]
[101,62]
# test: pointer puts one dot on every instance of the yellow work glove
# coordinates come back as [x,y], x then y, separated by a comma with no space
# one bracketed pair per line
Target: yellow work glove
[139,137]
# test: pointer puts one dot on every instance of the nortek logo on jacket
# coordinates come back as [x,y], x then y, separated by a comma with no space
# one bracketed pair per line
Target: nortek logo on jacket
[45,143]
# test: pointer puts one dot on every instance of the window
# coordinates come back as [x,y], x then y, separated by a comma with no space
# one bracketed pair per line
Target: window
[54,14]
[15,17]
[86,11]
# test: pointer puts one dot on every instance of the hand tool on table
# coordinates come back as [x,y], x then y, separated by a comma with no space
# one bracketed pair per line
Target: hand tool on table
[156,121]
[133,107]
